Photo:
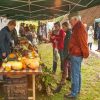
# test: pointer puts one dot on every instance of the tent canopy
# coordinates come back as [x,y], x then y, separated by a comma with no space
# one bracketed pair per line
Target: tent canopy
[42,9]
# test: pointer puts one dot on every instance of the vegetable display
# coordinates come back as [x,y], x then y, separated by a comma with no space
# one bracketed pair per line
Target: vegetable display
[23,56]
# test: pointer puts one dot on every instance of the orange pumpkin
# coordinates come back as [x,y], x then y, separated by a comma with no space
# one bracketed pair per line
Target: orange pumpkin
[24,66]
[12,55]
[32,63]
[23,60]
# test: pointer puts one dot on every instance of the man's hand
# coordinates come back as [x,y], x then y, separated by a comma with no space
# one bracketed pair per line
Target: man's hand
[52,37]
[4,55]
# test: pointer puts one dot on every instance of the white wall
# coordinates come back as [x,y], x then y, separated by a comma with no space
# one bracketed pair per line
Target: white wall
[50,25]
[3,22]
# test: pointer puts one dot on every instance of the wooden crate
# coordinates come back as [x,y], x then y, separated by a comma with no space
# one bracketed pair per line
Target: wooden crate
[16,88]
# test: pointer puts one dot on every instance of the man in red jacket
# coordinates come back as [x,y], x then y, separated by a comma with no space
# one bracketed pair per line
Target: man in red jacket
[57,39]
[78,49]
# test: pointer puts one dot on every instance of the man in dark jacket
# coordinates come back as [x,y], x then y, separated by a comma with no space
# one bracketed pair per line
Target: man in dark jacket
[98,37]
[5,39]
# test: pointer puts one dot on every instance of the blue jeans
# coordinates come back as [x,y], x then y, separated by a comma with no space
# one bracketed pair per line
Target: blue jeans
[75,74]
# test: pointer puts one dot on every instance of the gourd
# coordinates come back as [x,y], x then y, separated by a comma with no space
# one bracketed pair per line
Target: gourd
[33,63]
[17,65]
[23,60]
[12,57]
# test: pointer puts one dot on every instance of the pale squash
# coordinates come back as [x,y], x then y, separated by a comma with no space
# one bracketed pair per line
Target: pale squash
[4,65]
[17,65]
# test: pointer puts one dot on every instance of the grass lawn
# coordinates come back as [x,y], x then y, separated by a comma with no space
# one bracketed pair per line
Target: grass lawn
[90,76]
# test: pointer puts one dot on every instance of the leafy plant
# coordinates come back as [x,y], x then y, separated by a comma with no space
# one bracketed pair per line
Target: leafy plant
[46,81]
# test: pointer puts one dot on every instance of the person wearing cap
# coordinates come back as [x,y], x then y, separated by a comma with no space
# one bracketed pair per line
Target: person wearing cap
[78,49]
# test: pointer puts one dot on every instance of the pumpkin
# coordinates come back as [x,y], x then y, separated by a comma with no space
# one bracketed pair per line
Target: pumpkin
[10,63]
[17,65]
[32,63]
[24,66]
[12,56]
[4,65]
[19,59]
[33,54]
[23,60]
[7,66]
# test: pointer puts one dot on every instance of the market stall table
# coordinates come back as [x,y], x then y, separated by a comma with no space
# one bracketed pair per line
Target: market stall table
[24,72]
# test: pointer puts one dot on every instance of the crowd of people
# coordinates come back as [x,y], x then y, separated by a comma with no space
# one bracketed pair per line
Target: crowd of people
[32,34]
[71,44]
[28,31]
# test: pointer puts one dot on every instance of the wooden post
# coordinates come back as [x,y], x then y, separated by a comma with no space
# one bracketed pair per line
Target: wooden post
[33,78]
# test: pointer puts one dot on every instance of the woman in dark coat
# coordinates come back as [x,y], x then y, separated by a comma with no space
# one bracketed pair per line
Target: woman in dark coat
[66,74]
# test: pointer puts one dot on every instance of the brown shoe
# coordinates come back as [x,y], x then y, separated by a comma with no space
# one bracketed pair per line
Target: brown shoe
[58,89]
[68,79]
[69,96]
[97,50]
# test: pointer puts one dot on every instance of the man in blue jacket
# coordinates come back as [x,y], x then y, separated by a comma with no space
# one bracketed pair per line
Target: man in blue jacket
[5,39]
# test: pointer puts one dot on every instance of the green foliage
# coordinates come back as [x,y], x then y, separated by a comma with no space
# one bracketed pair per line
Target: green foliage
[46,81]
[90,76]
